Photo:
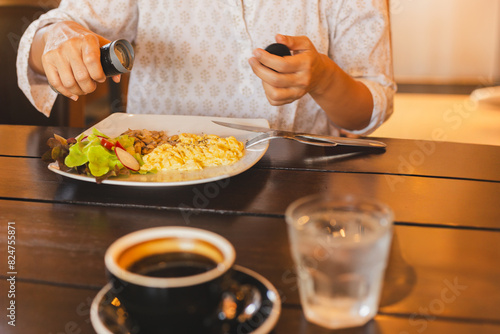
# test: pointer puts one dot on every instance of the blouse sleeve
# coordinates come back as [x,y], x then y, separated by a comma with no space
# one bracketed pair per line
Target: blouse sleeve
[110,19]
[361,46]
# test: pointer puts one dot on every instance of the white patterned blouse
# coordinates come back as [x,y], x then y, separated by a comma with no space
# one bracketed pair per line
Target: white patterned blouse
[192,55]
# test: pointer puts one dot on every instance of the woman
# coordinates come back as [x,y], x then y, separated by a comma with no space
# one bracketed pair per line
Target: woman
[206,58]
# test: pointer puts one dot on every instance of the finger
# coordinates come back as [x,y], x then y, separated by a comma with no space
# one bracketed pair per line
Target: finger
[296,43]
[91,55]
[55,82]
[280,101]
[67,77]
[62,73]
[102,41]
[276,63]
[117,78]
[303,51]
[80,72]
[271,77]
[298,71]
[281,96]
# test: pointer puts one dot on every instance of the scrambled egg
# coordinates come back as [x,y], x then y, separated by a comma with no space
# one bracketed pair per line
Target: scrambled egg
[192,152]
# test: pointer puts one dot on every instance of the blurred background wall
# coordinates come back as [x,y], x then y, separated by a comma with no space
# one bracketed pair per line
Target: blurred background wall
[446,41]
[444,50]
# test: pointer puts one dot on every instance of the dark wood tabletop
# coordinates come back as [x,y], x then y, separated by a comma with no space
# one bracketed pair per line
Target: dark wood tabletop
[443,274]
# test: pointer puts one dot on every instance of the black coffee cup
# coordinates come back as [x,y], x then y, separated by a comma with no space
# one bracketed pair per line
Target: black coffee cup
[171,279]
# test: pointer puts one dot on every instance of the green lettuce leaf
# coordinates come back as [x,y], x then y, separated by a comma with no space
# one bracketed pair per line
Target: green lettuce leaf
[76,156]
[98,160]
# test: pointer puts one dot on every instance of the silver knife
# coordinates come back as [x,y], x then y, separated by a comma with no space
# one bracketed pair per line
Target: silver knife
[307,138]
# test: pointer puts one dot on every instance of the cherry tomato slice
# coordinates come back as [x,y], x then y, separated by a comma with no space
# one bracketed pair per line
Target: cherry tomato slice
[107,144]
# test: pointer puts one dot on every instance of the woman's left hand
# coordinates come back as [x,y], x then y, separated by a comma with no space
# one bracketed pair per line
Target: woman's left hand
[286,79]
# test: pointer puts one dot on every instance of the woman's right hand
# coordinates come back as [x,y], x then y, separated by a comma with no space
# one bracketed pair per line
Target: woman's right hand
[69,56]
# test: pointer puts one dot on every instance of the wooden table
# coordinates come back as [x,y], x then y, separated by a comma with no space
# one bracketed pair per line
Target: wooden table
[444,269]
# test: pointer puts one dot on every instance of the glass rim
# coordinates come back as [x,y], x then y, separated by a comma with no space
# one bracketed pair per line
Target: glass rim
[347,198]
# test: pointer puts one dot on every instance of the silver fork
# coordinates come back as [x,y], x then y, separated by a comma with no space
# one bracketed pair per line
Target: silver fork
[317,140]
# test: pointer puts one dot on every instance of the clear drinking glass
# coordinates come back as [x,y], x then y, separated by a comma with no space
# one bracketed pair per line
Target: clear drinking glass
[340,246]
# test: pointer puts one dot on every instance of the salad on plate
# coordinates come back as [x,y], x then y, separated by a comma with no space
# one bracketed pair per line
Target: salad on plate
[97,155]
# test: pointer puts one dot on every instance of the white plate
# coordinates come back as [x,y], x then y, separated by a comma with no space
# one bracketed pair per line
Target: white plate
[118,123]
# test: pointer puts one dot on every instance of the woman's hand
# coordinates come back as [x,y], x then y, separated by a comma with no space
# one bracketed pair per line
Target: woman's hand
[69,56]
[347,102]
[286,79]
